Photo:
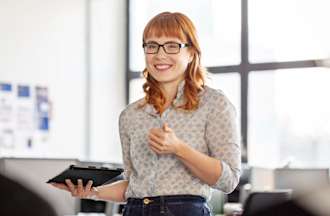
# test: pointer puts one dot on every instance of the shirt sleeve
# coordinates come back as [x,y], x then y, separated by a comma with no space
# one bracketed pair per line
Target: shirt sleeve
[223,142]
[125,143]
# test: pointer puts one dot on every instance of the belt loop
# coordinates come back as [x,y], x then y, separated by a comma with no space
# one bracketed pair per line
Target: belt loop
[162,205]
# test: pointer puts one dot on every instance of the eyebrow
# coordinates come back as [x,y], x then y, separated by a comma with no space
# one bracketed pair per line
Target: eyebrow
[163,43]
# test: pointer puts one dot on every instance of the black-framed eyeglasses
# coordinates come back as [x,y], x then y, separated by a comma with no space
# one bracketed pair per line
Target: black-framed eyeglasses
[168,47]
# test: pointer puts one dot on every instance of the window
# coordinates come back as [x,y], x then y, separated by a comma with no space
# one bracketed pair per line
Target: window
[256,52]
[289,117]
[229,83]
[135,89]
[220,39]
[288,30]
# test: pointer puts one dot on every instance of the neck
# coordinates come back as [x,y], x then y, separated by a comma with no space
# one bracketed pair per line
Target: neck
[170,90]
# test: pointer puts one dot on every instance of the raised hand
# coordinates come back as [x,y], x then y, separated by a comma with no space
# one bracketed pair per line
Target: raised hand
[163,140]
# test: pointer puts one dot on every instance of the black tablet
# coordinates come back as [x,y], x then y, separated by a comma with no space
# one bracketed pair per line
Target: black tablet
[99,176]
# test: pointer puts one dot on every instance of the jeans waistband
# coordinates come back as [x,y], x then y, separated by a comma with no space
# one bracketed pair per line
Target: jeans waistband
[166,199]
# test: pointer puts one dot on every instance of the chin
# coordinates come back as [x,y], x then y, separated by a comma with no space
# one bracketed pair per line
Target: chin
[162,78]
[165,78]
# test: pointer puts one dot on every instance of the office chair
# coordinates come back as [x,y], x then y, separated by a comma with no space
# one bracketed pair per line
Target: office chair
[258,201]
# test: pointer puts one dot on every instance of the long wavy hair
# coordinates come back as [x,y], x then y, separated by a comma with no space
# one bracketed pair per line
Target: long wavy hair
[180,26]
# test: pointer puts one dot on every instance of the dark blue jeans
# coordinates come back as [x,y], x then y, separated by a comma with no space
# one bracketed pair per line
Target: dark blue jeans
[177,205]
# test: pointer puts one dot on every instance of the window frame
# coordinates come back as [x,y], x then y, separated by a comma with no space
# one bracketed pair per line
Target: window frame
[244,68]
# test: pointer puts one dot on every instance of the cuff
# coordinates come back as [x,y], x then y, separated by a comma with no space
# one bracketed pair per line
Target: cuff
[225,180]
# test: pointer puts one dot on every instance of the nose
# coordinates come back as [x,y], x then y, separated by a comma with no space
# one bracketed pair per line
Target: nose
[161,51]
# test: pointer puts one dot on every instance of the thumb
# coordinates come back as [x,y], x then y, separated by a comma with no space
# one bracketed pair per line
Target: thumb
[166,128]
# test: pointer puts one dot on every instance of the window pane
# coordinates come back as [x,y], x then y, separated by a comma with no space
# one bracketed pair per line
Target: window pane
[289,117]
[230,84]
[217,23]
[135,89]
[289,30]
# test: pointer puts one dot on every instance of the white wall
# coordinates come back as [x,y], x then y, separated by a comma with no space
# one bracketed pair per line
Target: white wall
[108,39]
[44,42]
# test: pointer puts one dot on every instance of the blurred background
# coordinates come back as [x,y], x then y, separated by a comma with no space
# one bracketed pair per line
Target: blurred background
[68,68]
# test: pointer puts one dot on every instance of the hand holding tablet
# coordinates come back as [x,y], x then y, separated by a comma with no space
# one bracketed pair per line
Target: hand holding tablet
[81,182]
[99,176]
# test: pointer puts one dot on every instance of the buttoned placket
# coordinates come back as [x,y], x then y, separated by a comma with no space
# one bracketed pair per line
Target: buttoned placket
[161,119]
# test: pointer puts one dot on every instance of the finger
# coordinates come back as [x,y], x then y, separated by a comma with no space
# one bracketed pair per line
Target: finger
[60,186]
[155,146]
[157,132]
[153,130]
[71,186]
[166,128]
[154,143]
[88,186]
[155,150]
[160,151]
[155,139]
[80,188]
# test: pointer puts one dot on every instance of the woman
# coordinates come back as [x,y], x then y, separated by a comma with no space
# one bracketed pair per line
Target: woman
[180,139]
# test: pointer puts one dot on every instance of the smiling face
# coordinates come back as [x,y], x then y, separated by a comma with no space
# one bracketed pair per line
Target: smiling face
[167,68]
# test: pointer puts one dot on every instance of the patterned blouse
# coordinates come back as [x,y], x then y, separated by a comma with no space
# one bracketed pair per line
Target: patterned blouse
[211,129]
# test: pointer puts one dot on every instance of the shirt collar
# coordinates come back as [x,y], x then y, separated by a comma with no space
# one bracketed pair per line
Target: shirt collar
[179,95]
[148,108]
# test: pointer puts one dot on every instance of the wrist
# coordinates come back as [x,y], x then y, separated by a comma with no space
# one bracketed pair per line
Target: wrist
[182,147]
[95,194]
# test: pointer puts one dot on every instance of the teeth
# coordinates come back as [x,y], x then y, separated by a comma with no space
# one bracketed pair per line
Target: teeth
[162,67]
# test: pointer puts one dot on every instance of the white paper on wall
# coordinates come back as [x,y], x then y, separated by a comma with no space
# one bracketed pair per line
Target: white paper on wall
[24,120]
[6,116]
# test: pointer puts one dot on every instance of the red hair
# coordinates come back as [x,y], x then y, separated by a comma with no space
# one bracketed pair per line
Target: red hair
[180,26]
